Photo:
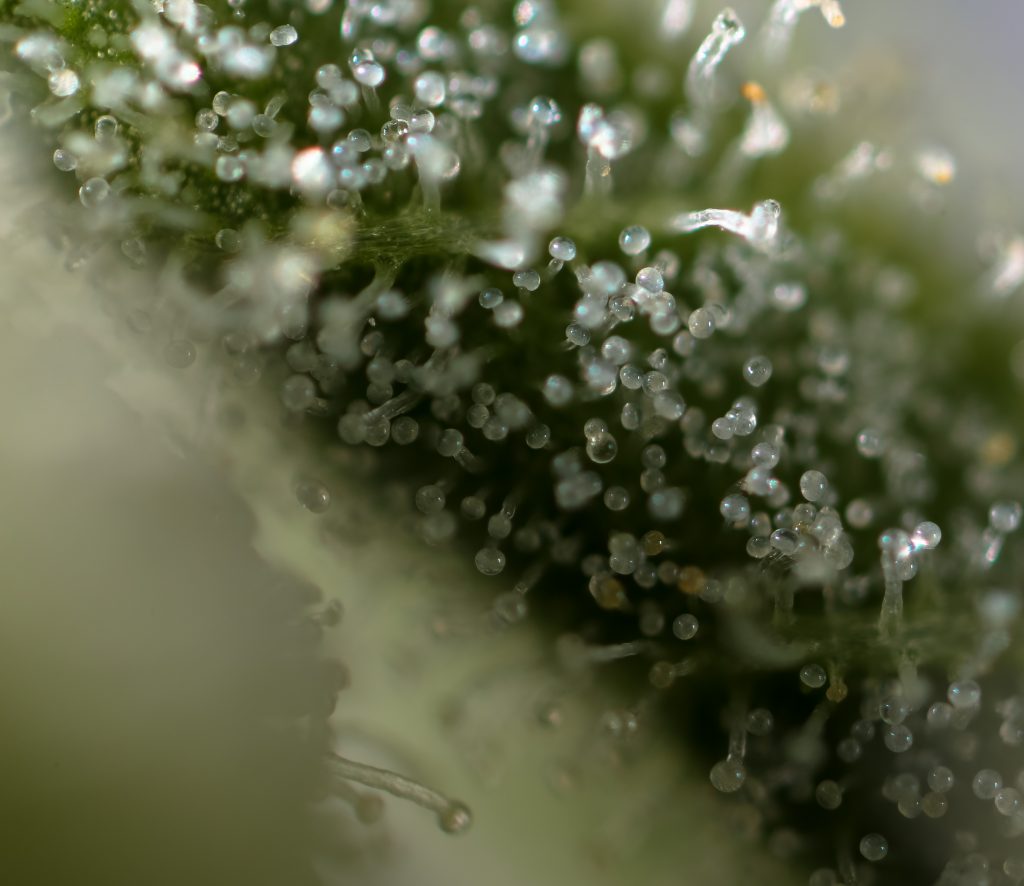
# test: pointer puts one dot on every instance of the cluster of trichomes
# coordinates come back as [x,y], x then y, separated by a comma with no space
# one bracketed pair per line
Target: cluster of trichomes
[768,451]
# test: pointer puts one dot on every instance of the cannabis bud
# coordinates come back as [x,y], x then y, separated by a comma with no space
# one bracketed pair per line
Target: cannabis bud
[640,330]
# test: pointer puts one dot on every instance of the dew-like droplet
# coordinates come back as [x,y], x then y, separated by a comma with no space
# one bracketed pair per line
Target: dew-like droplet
[284,35]
[964,694]
[634,240]
[298,392]
[365,68]
[180,353]
[430,499]
[813,485]
[430,88]
[1005,516]
[940,779]
[313,495]
[602,448]
[898,738]
[986,784]
[489,561]
[813,676]
[785,541]
[934,805]
[728,776]
[874,847]
[456,819]
[562,248]
[685,626]
[64,82]
[701,323]
[93,192]
[828,794]
[64,160]
[757,370]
